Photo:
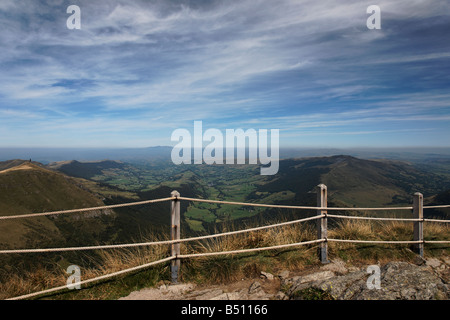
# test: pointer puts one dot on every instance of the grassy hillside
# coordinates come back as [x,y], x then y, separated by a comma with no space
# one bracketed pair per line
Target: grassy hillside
[29,188]
[26,187]
[443,198]
[353,181]
[139,176]
[33,188]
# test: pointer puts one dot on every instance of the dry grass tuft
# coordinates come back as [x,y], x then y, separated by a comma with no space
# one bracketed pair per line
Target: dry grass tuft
[219,269]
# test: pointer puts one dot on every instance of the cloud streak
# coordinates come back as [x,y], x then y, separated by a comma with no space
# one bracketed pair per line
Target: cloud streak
[297,65]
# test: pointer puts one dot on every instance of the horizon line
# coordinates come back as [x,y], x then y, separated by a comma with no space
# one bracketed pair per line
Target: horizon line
[281,147]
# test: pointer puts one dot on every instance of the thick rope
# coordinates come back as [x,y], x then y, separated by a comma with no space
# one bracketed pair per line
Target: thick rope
[388,242]
[31,215]
[212,201]
[436,220]
[215,235]
[372,218]
[158,242]
[26,296]
[195,255]
[165,260]
[437,207]
[165,242]
[374,241]
[436,241]
[291,207]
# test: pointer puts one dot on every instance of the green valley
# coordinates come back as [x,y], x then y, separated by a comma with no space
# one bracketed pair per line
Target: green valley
[351,182]
[31,187]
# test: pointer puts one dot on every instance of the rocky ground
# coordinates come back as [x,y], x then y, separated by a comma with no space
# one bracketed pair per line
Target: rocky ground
[423,280]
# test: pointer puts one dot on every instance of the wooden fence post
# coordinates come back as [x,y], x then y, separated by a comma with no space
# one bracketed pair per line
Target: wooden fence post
[175,235]
[418,225]
[322,223]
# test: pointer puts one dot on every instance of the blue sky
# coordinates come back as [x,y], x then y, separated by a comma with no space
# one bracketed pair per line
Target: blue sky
[137,70]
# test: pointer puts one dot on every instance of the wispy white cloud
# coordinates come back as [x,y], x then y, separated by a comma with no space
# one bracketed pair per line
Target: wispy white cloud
[296,65]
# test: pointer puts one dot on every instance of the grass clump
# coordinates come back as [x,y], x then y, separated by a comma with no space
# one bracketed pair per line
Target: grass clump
[214,269]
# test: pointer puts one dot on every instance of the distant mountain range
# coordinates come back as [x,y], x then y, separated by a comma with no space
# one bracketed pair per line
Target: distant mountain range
[48,155]
[163,153]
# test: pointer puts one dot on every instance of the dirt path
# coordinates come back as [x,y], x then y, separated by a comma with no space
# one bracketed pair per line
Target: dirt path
[254,289]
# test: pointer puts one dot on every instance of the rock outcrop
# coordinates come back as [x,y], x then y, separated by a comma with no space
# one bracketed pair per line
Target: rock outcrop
[397,280]
[425,280]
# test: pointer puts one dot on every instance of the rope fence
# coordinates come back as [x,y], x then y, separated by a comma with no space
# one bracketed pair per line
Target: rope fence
[106,276]
[163,242]
[114,206]
[291,207]
[175,257]
[281,246]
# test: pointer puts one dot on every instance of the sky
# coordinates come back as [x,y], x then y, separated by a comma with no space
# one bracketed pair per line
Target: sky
[138,70]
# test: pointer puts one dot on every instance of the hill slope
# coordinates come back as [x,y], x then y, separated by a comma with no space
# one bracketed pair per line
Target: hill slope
[352,181]
[85,170]
[442,198]
[30,188]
